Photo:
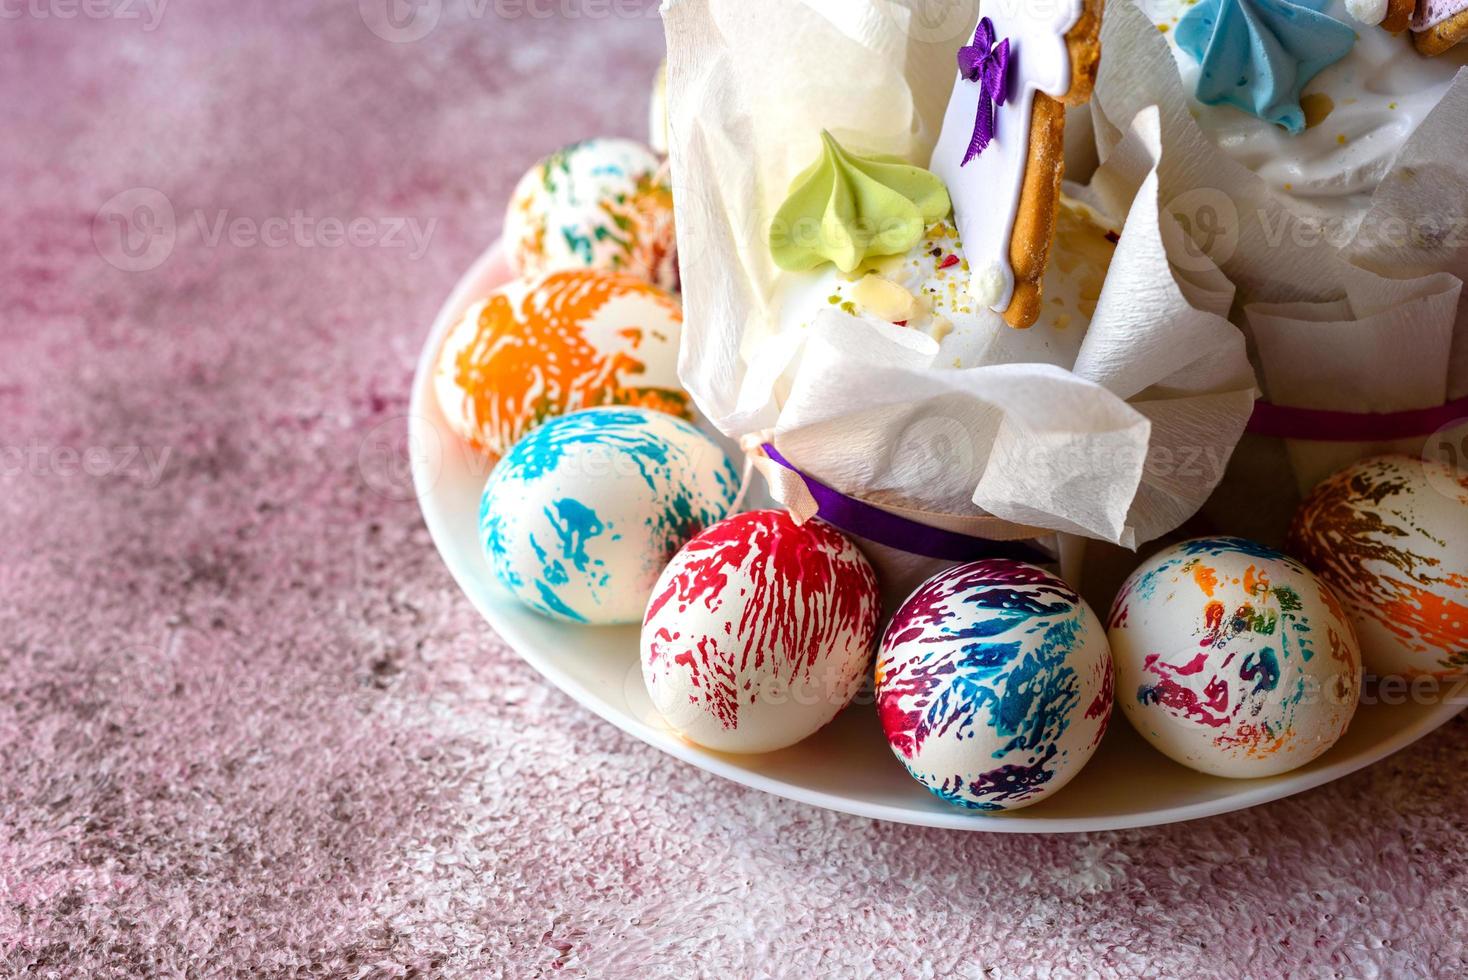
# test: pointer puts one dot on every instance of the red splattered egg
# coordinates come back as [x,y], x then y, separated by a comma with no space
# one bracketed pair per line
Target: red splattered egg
[1390,535]
[759,632]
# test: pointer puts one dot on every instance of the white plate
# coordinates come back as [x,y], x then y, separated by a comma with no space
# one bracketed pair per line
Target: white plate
[847,766]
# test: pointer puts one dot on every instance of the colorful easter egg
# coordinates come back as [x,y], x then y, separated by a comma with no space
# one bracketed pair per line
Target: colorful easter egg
[1390,536]
[601,204]
[535,350]
[581,516]
[759,632]
[994,684]
[1234,659]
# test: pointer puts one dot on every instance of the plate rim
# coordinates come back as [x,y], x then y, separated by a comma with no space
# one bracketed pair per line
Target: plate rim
[425,470]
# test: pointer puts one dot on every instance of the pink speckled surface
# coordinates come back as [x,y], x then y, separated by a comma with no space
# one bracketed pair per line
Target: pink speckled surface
[249,726]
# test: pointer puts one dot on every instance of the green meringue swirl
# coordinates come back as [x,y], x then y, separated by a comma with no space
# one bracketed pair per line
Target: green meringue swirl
[848,208]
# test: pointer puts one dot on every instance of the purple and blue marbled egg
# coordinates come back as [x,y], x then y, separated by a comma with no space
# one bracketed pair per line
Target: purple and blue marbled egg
[994,684]
[580,517]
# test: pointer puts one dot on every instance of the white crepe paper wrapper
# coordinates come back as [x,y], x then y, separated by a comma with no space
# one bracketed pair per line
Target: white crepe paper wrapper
[1362,319]
[1093,448]
[1387,351]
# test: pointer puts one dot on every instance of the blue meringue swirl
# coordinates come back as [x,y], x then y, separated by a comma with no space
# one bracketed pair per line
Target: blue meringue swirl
[1258,55]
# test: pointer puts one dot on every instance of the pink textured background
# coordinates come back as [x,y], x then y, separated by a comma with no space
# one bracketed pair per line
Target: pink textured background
[247,723]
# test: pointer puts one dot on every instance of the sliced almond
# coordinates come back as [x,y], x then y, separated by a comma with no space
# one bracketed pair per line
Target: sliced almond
[883,299]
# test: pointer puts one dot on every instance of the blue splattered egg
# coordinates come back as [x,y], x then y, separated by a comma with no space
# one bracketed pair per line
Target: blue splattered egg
[1234,659]
[994,684]
[581,516]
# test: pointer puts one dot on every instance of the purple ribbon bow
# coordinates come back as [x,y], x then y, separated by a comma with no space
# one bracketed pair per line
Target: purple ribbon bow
[982,62]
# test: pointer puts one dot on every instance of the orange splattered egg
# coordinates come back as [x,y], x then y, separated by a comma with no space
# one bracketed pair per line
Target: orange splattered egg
[532,351]
[1390,534]
[1233,659]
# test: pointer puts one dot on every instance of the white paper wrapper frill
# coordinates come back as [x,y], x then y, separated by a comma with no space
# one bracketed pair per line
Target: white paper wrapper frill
[1122,440]
[1365,316]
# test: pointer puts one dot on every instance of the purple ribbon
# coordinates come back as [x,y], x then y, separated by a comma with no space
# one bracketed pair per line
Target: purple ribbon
[1321,425]
[865,521]
[982,62]
[860,518]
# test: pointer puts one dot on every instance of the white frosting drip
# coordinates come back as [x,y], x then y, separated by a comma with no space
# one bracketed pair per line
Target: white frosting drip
[986,191]
[1369,12]
[1379,94]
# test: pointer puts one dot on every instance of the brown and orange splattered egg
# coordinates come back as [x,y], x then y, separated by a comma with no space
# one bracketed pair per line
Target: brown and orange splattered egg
[1390,535]
[533,351]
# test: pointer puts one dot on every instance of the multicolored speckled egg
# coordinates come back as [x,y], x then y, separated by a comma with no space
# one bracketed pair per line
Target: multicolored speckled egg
[994,684]
[601,204]
[1390,535]
[535,350]
[581,516]
[759,632]
[1234,659]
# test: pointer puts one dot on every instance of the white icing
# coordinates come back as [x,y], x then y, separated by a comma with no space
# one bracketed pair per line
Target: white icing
[1380,94]
[1369,12]
[1430,13]
[986,191]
